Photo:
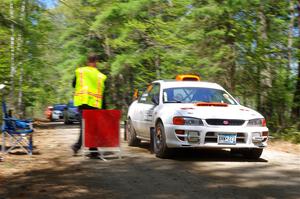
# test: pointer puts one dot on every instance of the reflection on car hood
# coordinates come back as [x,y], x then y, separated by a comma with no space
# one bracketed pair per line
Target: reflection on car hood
[205,112]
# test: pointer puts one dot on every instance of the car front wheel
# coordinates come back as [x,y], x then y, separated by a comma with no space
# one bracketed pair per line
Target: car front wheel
[161,149]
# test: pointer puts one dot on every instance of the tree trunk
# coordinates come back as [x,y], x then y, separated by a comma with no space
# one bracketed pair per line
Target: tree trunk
[107,47]
[112,80]
[157,66]
[21,63]
[296,104]
[296,107]
[12,53]
[229,61]
[262,38]
[290,36]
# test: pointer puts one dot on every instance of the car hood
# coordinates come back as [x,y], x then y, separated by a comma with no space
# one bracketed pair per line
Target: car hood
[74,109]
[215,112]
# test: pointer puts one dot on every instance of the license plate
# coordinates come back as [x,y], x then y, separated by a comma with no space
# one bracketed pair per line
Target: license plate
[227,139]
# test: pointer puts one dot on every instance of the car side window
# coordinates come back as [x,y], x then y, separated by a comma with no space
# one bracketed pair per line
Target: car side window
[154,92]
[143,97]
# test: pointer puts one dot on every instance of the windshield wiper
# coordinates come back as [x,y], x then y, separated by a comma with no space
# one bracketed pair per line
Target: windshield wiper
[174,101]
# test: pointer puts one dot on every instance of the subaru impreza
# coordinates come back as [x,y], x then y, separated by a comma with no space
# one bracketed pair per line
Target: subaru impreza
[193,113]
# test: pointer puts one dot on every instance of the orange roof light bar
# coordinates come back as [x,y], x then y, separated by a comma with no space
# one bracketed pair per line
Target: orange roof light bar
[187,78]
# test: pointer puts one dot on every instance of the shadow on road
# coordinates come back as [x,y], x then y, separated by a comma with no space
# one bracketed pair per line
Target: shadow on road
[204,155]
[56,125]
[190,173]
[211,155]
[151,178]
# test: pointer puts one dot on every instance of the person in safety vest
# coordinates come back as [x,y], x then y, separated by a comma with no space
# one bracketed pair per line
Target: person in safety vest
[89,84]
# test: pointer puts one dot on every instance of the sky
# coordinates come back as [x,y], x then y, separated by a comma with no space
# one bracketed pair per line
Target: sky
[49,3]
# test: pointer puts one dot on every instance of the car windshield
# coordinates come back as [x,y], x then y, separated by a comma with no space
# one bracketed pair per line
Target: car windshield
[59,107]
[196,94]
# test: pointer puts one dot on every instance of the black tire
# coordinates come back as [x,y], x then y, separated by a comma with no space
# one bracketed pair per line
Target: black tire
[132,140]
[68,122]
[161,149]
[252,153]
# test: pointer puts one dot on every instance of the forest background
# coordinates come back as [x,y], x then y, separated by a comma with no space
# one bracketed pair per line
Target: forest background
[249,47]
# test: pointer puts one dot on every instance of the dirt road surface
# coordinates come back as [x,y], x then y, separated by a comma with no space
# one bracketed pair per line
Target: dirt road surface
[52,172]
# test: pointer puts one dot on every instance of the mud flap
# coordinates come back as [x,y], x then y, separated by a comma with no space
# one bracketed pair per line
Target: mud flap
[152,140]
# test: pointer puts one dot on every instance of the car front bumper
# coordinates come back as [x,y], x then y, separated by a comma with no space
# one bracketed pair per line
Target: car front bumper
[208,136]
[57,115]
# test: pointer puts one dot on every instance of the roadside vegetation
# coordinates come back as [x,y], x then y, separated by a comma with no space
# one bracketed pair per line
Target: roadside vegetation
[249,47]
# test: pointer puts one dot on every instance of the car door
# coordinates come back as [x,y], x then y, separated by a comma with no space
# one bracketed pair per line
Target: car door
[137,117]
[148,110]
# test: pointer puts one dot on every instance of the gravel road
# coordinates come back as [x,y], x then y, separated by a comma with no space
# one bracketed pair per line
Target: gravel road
[52,172]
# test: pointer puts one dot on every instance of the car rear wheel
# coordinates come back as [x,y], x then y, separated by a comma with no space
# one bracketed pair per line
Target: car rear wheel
[161,149]
[131,135]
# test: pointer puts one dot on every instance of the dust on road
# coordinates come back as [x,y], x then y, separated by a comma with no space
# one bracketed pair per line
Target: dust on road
[53,172]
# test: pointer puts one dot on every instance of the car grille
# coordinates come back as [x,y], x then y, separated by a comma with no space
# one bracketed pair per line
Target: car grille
[212,137]
[224,122]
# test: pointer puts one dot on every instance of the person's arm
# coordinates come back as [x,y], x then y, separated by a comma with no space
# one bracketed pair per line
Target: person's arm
[104,99]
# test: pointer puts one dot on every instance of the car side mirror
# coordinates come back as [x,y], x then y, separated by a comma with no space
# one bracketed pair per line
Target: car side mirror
[135,94]
[155,100]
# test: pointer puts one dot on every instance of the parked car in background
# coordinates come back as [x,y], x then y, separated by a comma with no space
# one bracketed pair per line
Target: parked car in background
[71,113]
[58,112]
[48,112]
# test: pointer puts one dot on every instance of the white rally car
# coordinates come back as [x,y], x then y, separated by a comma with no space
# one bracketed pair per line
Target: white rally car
[189,113]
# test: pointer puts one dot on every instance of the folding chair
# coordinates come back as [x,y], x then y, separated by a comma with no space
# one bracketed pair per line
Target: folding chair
[18,131]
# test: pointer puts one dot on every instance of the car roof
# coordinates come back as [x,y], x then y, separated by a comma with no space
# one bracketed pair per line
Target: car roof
[174,83]
[59,106]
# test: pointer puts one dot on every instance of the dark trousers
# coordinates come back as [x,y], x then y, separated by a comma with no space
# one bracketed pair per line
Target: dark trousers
[78,144]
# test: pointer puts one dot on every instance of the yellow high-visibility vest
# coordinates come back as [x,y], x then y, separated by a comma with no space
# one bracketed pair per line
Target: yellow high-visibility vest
[89,87]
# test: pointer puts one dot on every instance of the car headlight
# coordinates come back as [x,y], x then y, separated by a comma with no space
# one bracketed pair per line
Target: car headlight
[257,122]
[179,120]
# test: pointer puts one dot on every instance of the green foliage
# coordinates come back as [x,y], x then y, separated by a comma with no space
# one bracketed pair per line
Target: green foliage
[289,134]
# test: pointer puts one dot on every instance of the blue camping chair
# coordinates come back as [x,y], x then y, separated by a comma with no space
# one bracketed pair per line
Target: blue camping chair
[18,131]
